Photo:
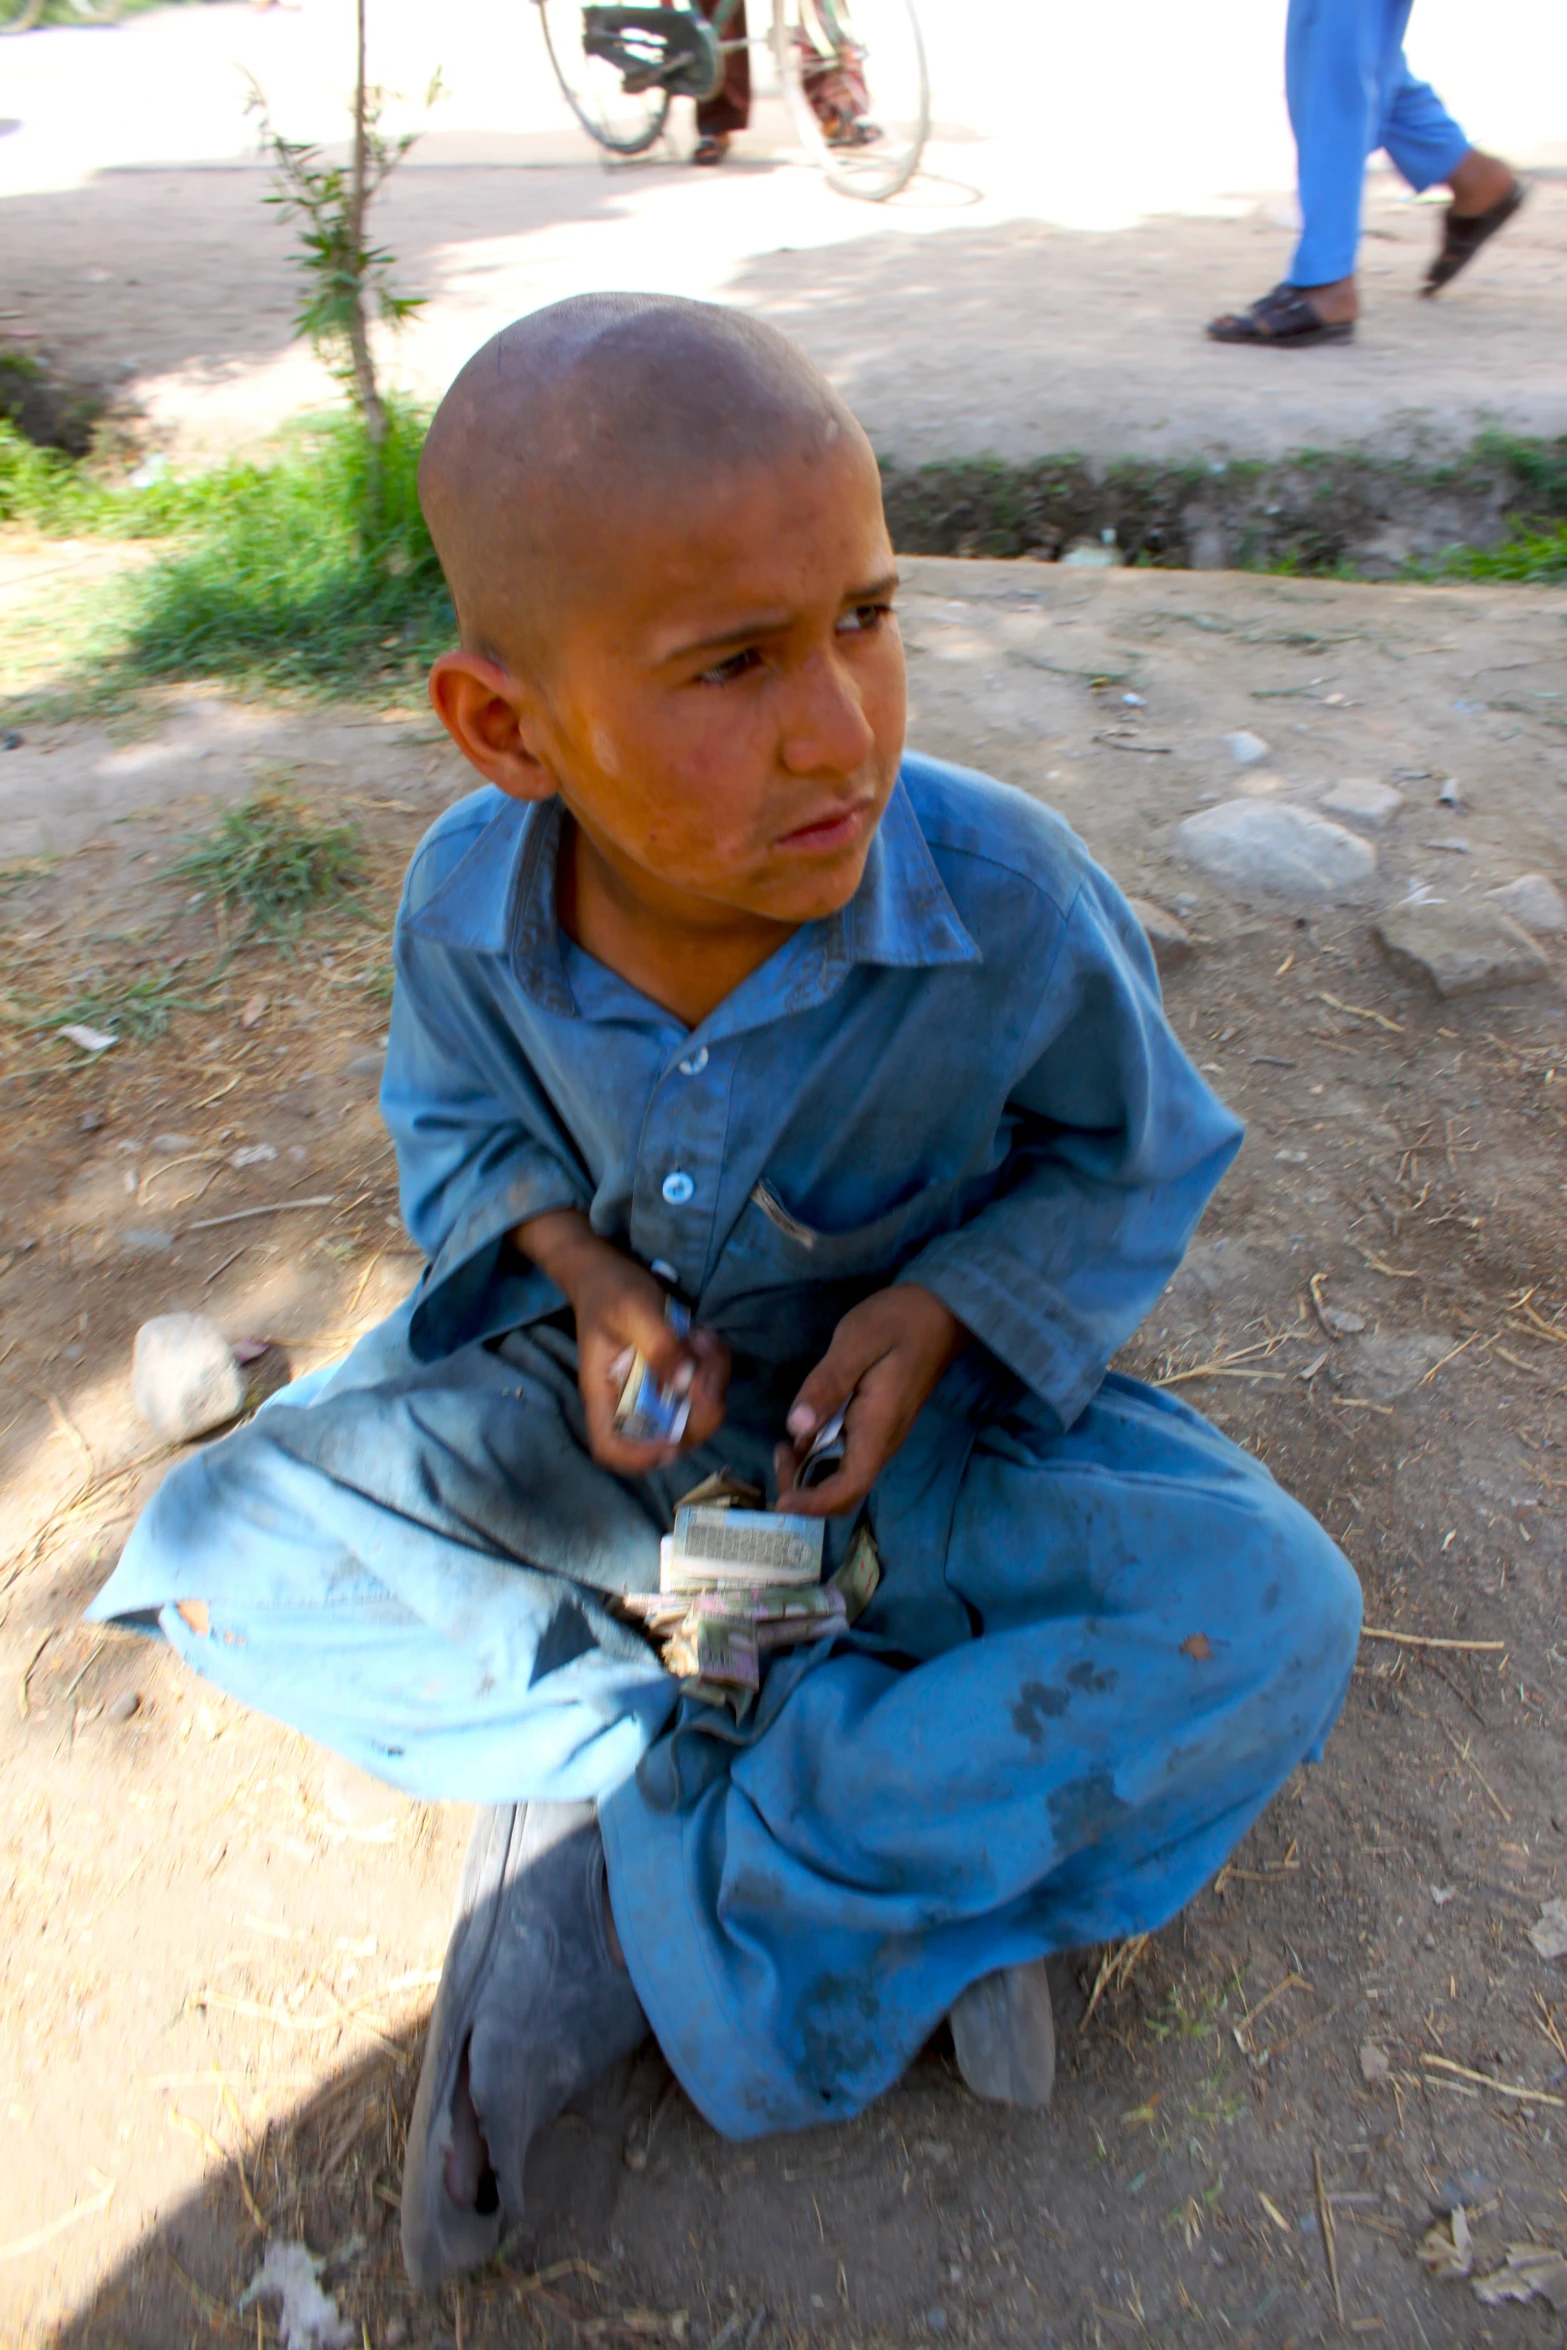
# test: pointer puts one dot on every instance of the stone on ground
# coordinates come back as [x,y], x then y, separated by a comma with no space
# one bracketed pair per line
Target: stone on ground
[1277,846]
[1244,747]
[1532,900]
[184,1378]
[1362,801]
[1172,943]
[1459,949]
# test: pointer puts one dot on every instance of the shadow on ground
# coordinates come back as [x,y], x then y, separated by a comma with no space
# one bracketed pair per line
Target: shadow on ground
[609,2249]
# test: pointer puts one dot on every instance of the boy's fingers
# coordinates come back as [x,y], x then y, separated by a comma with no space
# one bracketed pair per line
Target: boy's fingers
[870,1433]
[828,1388]
[610,1449]
[709,1390]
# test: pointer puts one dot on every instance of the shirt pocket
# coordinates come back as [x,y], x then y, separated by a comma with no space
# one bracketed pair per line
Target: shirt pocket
[772,1236]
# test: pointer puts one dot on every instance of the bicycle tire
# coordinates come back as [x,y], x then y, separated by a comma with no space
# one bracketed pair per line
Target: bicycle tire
[621,122]
[889,60]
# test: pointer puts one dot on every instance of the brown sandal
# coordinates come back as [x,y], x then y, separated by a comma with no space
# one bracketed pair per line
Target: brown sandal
[1464,234]
[711,148]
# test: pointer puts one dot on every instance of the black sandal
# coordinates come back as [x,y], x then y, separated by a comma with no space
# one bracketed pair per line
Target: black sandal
[1462,236]
[1284,320]
[711,148]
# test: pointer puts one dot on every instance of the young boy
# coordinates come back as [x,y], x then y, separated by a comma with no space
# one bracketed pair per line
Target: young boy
[714,996]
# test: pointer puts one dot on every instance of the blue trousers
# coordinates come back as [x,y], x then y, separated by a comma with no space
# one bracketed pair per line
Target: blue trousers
[1095,1656]
[1350,92]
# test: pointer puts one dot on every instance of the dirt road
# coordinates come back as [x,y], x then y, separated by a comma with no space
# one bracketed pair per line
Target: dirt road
[216,1954]
[1097,185]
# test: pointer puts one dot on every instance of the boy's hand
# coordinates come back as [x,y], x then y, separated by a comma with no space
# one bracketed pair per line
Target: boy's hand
[885,1357]
[619,1306]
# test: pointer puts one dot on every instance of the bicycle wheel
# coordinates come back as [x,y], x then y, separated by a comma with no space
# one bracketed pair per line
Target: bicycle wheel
[857,87]
[624,122]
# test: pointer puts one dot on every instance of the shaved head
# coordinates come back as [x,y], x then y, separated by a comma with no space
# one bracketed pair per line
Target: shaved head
[592,415]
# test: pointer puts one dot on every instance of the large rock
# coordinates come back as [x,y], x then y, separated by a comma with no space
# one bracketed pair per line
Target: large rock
[1172,943]
[1278,846]
[1532,900]
[184,1378]
[1459,948]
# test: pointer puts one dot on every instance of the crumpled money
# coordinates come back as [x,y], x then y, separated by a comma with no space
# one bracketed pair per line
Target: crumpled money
[737,1583]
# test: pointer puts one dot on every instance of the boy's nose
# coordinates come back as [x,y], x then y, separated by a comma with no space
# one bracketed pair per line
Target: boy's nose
[825,728]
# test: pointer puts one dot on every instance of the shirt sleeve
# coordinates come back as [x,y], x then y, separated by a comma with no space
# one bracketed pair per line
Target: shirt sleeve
[479,1151]
[1117,1147]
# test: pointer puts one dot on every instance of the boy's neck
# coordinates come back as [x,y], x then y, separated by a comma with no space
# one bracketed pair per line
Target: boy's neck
[687,954]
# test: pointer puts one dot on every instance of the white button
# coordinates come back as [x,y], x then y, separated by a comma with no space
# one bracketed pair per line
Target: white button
[664,1269]
[696,1064]
[678,1188]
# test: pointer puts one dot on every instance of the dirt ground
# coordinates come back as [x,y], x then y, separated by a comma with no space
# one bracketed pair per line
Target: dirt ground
[1040,287]
[217,1951]
[955,329]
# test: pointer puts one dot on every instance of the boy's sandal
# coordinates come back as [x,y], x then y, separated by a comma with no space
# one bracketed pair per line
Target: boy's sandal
[1004,2037]
[1284,320]
[711,148]
[1463,235]
[531,2007]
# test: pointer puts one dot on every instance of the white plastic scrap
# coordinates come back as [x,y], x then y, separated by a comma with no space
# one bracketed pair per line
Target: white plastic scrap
[91,1040]
[308,2319]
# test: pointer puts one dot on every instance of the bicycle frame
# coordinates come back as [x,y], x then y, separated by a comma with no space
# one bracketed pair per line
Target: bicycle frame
[674,49]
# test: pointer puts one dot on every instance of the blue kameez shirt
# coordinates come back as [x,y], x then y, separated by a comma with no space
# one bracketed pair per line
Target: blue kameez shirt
[964,1079]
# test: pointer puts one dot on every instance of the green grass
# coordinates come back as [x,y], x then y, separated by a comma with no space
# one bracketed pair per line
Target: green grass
[280,582]
[142,1007]
[271,862]
[1530,554]
[272,575]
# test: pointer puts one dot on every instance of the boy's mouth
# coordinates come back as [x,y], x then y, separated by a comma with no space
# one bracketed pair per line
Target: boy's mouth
[835,828]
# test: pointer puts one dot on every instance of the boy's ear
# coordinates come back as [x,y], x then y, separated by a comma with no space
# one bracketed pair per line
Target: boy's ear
[492,717]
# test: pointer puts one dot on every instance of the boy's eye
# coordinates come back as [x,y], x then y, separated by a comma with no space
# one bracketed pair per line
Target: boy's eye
[864,619]
[732,666]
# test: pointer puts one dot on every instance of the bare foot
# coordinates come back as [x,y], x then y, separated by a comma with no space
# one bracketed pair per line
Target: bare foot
[195,1613]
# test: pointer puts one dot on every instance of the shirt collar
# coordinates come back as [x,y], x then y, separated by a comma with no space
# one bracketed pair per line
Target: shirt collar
[499,899]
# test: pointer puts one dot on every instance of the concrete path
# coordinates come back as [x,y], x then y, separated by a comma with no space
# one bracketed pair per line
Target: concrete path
[1093,191]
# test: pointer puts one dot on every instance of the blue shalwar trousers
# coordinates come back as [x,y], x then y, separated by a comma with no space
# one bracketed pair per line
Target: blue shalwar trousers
[1095,1656]
[1350,92]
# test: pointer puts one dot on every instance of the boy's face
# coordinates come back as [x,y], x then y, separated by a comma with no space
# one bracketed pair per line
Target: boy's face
[724,710]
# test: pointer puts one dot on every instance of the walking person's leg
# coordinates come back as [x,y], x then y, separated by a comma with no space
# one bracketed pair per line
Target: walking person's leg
[729,109]
[1337,56]
[1429,150]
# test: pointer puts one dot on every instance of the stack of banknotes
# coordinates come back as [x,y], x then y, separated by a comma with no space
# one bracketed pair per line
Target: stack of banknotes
[737,1582]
